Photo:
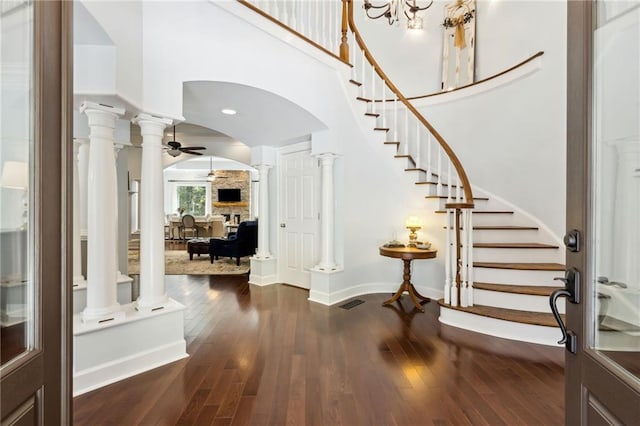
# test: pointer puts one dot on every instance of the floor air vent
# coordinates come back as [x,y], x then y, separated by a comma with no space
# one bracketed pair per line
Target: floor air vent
[352,304]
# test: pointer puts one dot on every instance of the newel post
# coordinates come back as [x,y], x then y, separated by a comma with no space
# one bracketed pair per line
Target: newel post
[344,45]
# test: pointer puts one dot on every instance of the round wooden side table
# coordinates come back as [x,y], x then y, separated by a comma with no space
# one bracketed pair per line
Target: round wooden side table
[407,254]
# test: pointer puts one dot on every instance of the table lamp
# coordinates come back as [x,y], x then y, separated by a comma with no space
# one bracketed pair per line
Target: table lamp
[413,224]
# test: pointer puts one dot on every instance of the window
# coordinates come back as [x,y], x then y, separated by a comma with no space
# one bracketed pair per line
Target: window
[192,199]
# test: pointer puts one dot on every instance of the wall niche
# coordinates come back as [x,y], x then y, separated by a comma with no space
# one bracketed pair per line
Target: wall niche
[232,179]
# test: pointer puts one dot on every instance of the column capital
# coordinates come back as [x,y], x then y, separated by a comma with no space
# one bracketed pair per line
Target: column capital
[87,106]
[327,155]
[262,167]
[151,125]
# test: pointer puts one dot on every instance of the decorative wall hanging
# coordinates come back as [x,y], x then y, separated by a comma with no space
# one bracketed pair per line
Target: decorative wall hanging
[458,50]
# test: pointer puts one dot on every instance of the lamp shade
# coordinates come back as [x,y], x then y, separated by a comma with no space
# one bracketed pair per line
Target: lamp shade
[412,222]
[15,174]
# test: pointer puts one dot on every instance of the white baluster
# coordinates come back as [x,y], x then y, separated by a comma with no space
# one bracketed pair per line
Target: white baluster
[276,9]
[463,266]
[383,112]
[449,181]
[373,90]
[267,7]
[406,131]
[458,189]
[454,261]
[362,79]
[332,30]
[395,120]
[352,56]
[457,67]
[429,171]
[470,258]
[323,26]
[439,185]
[418,159]
[302,7]
[316,22]
[293,17]
[447,260]
[309,20]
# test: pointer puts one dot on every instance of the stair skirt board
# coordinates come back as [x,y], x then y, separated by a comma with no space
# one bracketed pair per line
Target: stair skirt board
[521,302]
[500,328]
[510,276]
[517,255]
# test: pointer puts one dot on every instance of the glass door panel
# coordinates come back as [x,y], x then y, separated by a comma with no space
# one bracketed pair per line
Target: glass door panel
[615,289]
[17,301]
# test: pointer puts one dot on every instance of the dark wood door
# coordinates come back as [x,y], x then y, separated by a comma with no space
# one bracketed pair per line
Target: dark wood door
[35,145]
[603,206]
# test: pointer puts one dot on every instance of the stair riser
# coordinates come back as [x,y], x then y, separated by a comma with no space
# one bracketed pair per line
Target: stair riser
[499,236]
[500,328]
[516,255]
[487,219]
[440,204]
[514,276]
[521,302]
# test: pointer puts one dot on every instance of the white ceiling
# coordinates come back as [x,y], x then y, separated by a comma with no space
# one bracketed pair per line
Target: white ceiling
[263,118]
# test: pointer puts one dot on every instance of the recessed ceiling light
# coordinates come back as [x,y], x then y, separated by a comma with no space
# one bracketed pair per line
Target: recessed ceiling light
[229,111]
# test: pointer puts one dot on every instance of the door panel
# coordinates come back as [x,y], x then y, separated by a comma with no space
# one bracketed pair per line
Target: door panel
[35,111]
[603,205]
[299,212]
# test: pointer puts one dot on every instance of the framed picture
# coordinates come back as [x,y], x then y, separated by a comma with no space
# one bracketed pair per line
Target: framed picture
[458,49]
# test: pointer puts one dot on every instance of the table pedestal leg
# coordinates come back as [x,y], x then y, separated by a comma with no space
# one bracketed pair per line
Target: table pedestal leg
[408,287]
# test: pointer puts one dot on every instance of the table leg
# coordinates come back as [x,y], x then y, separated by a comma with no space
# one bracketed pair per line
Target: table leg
[408,287]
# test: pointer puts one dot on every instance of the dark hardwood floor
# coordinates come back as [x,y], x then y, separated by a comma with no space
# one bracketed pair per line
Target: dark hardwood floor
[266,355]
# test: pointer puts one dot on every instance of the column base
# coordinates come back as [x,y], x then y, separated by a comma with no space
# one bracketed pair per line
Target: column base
[156,305]
[124,295]
[150,341]
[323,285]
[111,314]
[263,271]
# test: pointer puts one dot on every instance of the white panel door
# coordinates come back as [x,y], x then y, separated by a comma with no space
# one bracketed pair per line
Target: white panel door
[299,208]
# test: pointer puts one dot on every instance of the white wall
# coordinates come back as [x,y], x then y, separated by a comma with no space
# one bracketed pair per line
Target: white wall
[374,195]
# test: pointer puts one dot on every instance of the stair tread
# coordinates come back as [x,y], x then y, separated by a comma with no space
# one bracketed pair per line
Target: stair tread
[523,317]
[357,83]
[515,245]
[383,129]
[444,197]
[505,228]
[529,266]
[371,114]
[534,290]
[360,98]
[483,211]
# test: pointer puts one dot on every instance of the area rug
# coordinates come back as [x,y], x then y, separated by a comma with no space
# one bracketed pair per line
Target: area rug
[176,262]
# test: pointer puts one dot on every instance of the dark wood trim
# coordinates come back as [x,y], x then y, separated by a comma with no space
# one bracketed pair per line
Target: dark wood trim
[579,63]
[292,31]
[475,83]
[524,317]
[532,290]
[515,245]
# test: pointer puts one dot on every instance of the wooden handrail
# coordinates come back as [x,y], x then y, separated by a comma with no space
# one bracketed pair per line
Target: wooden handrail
[468,194]
[501,73]
[294,32]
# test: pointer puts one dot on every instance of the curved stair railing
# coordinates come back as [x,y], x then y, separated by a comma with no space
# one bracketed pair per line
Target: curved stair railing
[426,152]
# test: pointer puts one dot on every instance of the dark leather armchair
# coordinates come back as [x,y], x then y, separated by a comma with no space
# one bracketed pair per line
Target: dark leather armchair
[239,244]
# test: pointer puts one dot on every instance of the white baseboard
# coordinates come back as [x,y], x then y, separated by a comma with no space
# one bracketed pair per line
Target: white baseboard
[367,288]
[262,280]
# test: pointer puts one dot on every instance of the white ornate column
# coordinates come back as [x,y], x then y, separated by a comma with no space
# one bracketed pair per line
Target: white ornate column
[327,219]
[263,213]
[77,201]
[101,223]
[83,173]
[152,288]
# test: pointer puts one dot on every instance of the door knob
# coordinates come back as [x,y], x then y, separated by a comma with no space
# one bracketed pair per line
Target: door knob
[571,291]
[572,240]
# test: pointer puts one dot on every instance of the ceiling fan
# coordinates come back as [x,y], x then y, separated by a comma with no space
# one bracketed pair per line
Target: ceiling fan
[211,176]
[175,148]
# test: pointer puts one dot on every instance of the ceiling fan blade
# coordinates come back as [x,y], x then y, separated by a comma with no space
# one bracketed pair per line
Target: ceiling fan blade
[197,148]
[187,151]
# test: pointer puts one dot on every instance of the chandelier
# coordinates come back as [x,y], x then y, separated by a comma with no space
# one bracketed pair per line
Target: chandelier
[392,11]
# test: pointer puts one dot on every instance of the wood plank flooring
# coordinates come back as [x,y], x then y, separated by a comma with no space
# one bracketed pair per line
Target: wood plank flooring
[266,355]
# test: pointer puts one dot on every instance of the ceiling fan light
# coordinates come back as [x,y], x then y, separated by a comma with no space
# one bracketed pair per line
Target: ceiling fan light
[173,152]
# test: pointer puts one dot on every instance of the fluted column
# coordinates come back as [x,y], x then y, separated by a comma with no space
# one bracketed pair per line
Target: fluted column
[83,173]
[327,220]
[152,288]
[77,254]
[263,212]
[101,223]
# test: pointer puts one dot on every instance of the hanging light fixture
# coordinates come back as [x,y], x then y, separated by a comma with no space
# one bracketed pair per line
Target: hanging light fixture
[393,10]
